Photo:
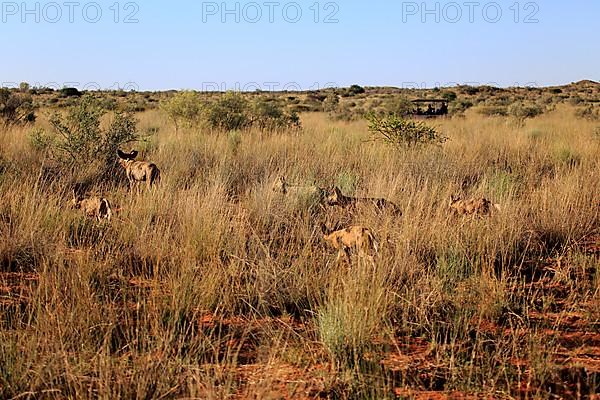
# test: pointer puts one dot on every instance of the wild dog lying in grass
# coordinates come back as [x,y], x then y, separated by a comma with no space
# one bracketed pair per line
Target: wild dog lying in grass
[356,238]
[97,207]
[335,197]
[475,206]
[138,171]
[313,192]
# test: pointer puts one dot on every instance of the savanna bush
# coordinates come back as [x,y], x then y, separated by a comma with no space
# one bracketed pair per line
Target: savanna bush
[77,138]
[16,108]
[331,103]
[70,92]
[233,112]
[491,111]
[589,112]
[521,111]
[355,90]
[449,95]
[184,109]
[229,113]
[270,117]
[459,107]
[398,105]
[403,133]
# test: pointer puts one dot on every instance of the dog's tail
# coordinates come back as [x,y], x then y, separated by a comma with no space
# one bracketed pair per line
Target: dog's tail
[105,209]
[396,209]
[154,175]
[372,241]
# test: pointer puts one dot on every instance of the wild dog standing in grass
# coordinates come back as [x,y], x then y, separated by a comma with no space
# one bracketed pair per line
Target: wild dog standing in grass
[479,206]
[97,207]
[313,192]
[138,171]
[335,197]
[356,238]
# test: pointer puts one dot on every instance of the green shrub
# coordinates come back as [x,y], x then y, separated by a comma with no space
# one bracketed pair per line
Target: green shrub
[77,138]
[233,112]
[398,105]
[537,135]
[24,87]
[355,90]
[522,111]
[589,112]
[449,96]
[459,107]
[347,181]
[234,141]
[70,92]
[403,133]
[331,103]
[16,108]
[490,111]
[567,157]
[346,113]
[346,326]
[268,116]
[184,108]
[230,112]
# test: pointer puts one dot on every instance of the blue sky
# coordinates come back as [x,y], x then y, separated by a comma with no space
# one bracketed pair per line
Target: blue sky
[157,45]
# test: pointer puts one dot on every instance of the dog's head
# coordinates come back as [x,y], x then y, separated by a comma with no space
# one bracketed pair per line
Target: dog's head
[125,158]
[76,200]
[453,200]
[280,185]
[333,196]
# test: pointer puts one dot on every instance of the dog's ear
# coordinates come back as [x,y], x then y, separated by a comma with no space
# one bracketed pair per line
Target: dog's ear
[77,195]
[127,156]
[324,230]
[75,200]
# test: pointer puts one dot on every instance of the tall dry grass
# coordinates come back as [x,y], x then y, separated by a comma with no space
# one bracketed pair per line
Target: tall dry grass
[114,310]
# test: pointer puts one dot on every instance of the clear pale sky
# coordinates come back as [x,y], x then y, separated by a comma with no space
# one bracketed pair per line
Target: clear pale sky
[200,45]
